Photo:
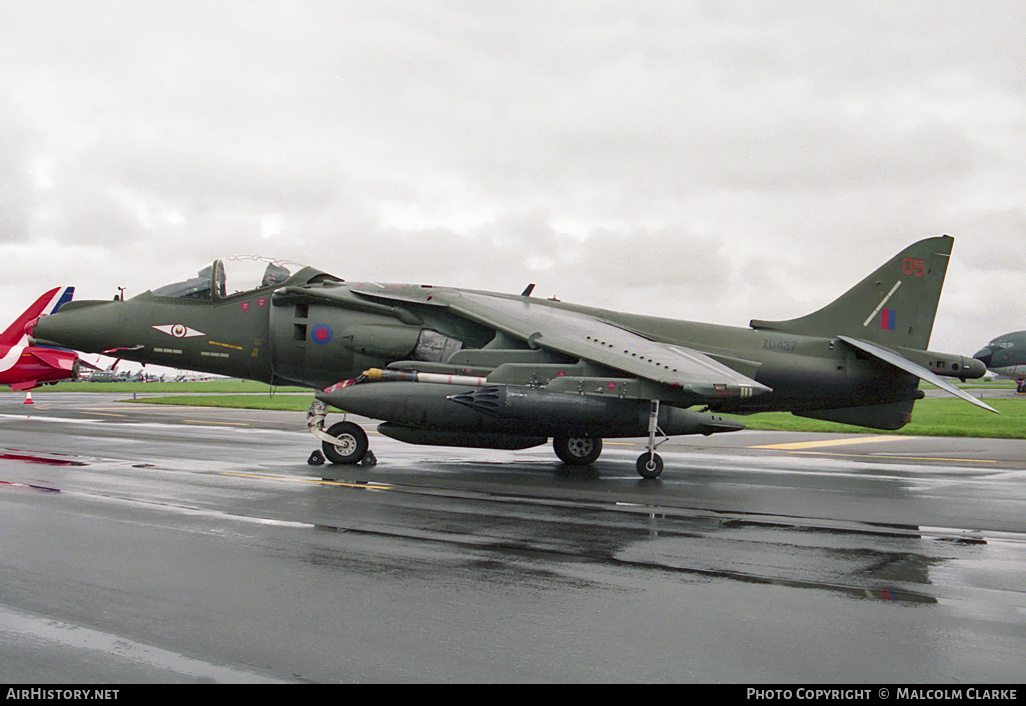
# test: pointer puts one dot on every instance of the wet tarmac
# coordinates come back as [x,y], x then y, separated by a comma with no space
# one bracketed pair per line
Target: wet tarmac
[154,544]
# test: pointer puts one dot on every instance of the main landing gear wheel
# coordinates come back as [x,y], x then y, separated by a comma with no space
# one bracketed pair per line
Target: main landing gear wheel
[350,444]
[649,465]
[577,451]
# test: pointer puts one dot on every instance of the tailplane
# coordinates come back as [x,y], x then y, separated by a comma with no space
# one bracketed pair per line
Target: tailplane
[48,303]
[894,307]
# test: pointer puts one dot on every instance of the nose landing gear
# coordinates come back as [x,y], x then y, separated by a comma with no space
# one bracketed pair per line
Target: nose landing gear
[344,443]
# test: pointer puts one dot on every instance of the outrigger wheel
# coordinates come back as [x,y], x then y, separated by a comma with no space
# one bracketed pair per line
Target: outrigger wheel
[350,443]
[649,465]
[577,451]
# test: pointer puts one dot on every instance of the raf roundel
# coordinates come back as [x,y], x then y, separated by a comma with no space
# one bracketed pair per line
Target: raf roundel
[322,333]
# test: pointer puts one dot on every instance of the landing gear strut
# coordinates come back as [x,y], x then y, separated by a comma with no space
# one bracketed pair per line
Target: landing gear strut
[650,464]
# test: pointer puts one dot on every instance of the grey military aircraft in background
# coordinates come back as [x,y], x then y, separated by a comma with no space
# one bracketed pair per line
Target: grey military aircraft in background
[1006,356]
[456,367]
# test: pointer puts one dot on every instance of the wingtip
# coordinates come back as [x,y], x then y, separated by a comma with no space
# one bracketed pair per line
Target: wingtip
[978,402]
[987,406]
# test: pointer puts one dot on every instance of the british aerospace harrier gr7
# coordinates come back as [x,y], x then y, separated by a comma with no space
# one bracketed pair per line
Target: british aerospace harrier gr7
[447,366]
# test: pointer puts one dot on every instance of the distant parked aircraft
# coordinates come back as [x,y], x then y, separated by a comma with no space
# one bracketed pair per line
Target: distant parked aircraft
[1006,356]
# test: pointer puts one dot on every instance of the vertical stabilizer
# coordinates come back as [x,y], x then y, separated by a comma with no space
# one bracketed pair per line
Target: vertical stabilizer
[48,303]
[894,307]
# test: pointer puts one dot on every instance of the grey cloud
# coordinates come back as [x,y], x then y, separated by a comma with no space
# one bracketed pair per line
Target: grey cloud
[678,157]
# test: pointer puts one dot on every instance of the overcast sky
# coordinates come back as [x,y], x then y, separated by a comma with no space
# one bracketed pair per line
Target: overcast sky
[713,161]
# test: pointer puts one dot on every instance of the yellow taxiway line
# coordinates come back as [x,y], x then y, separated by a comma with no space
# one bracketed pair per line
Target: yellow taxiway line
[314,481]
[802,445]
[806,447]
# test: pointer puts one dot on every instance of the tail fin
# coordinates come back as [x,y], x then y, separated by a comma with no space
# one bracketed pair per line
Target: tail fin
[48,303]
[895,306]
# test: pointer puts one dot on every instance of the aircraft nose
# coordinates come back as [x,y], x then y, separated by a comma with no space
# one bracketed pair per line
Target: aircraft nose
[79,327]
[984,355]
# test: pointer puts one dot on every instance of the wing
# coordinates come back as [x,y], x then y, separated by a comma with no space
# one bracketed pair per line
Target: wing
[543,324]
[584,336]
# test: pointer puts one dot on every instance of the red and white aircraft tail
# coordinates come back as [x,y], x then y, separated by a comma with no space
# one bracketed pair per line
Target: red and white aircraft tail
[23,366]
[48,303]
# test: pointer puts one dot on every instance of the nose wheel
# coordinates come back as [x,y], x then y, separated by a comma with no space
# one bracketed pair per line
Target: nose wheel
[349,444]
[344,443]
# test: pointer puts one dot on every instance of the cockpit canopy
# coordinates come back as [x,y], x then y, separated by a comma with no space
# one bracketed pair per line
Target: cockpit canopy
[231,276]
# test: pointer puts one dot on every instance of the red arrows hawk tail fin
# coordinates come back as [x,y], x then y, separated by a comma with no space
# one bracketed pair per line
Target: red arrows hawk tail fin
[47,303]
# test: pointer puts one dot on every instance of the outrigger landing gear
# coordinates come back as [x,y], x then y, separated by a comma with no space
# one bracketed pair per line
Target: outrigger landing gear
[650,464]
[345,443]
